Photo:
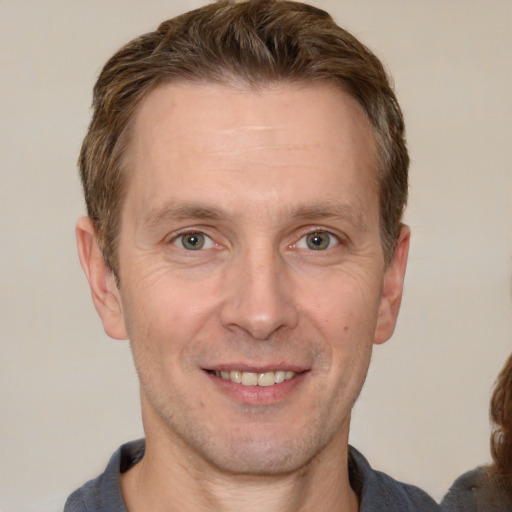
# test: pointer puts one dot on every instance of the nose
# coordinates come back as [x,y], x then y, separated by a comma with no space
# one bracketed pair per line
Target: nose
[259,295]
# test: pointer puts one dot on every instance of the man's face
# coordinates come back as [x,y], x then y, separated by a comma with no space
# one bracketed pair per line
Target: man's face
[250,251]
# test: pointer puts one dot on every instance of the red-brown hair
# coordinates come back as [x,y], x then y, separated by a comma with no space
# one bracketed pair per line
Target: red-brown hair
[501,415]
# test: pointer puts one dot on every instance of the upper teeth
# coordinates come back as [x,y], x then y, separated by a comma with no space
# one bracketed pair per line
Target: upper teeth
[255,379]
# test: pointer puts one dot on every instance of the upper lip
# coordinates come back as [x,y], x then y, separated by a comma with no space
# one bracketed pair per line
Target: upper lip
[257,368]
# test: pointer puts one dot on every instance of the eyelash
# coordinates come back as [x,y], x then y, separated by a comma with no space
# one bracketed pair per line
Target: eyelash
[178,240]
[332,242]
[302,243]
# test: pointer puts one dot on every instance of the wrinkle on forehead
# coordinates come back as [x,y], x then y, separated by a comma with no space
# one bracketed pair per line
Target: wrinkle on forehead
[251,128]
[259,147]
[254,139]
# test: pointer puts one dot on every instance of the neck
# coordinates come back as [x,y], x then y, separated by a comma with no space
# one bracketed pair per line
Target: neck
[167,479]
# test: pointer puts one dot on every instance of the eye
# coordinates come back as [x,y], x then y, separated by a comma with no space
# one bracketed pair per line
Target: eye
[318,241]
[193,241]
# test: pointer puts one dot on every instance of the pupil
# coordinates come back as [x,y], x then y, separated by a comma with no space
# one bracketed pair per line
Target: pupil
[317,241]
[193,241]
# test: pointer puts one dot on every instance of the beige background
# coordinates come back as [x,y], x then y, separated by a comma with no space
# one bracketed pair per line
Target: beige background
[69,395]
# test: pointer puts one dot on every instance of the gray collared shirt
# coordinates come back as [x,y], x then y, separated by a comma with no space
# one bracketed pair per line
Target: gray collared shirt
[377,491]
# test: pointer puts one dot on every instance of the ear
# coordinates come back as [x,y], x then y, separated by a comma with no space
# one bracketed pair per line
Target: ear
[104,290]
[393,288]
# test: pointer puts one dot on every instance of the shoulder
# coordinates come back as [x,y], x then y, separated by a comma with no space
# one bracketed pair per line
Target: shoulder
[477,491]
[103,493]
[379,492]
[462,495]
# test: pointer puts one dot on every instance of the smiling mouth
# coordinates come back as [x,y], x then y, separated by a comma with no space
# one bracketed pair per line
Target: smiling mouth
[254,379]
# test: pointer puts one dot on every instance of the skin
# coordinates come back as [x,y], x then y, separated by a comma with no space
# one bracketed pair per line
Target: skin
[254,172]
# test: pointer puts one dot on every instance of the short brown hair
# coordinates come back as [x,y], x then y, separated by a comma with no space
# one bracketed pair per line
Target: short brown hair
[256,42]
[501,415]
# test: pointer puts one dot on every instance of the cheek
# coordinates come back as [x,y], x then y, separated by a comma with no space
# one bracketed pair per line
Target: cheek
[164,315]
[345,315]
[342,305]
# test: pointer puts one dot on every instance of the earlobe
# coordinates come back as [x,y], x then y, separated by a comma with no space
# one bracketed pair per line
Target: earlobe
[393,288]
[104,290]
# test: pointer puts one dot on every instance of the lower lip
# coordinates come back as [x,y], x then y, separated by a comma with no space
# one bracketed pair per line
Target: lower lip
[258,395]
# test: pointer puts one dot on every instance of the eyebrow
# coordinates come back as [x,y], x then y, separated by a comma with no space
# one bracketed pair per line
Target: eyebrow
[178,210]
[333,210]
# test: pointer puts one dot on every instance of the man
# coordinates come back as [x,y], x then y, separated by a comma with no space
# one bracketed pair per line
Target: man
[245,174]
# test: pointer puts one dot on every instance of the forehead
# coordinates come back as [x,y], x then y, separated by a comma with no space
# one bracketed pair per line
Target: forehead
[187,136]
[189,107]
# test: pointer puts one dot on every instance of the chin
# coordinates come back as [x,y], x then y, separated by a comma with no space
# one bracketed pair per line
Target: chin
[262,455]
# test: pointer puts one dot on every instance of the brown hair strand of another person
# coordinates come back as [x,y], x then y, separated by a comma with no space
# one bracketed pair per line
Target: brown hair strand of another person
[501,415]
